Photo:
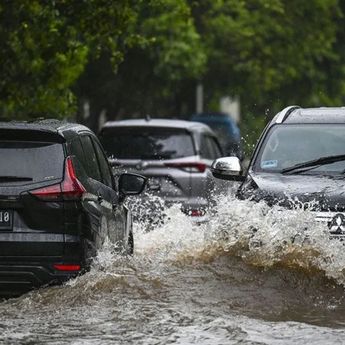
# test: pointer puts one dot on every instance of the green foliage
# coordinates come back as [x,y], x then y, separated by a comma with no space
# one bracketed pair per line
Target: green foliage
[163,49]
[259,47]
[40,58]
[175,47]
[46,46]
[272,53]
[130,57]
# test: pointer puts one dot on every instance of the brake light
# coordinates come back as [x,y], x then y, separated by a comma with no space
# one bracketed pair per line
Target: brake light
[188,166]
[64,267]
[69,189]
[50,193]
[195,212]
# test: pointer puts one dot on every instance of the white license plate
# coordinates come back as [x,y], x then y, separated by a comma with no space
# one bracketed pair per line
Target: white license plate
[6,219]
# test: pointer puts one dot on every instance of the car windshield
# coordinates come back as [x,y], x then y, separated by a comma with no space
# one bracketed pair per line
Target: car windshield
[147,143]
[288,145]
[29,162]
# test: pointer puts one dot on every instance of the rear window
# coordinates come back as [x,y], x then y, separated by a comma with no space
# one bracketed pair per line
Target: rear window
[30,162]
[147,143]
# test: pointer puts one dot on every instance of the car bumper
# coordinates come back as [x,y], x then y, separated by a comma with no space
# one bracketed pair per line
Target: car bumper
[23,267]
[16,279]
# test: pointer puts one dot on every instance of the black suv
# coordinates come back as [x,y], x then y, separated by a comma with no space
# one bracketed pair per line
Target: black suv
[299,161]
[58,203]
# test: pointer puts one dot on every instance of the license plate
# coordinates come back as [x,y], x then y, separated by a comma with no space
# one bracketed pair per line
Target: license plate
[5,219]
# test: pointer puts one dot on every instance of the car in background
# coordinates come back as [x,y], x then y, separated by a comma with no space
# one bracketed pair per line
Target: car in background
[174,155]
[226,129]
[58,203]
[299,161]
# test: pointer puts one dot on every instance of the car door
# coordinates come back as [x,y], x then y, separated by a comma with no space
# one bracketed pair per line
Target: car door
[118,216]
[97,198]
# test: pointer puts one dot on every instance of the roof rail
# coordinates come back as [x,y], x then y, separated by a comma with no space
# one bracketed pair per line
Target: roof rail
[283,115]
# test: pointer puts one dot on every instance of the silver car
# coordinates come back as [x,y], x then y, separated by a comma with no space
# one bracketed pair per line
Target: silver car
[175,155]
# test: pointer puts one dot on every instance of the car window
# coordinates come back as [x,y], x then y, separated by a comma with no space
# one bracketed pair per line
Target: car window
[149,143]
[217,147]
[30,162]
[288,145]
[214,148]
[205,148]
[92,168]
[104,165]
[76,150]
[209,148]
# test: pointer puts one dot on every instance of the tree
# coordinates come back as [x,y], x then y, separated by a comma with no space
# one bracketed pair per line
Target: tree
[272,53]
[45,47]
[40,59]
[169,52]
[133,57]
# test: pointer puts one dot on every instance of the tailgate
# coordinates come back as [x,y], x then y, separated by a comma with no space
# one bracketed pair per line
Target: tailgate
[30,227]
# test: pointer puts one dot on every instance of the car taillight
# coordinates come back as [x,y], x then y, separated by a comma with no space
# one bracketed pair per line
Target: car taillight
[50,193]
[195,212]
[69,189]
[66,267]
[188,166]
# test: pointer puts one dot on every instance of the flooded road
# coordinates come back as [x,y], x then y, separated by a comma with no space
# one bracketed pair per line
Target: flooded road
[186,284]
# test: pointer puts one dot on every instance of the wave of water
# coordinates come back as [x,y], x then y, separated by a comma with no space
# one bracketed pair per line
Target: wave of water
[272,236]
[261,235]
[251,274]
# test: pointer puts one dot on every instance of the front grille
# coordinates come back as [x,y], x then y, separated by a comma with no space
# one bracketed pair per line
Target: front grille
[335,222]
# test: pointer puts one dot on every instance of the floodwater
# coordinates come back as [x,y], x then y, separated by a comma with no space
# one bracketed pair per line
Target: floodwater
[186,284]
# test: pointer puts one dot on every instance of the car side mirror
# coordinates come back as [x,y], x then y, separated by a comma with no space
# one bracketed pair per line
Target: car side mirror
[131,184]
[227,168]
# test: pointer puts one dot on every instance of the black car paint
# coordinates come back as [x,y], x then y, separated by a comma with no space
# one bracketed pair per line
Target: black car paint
[317,192]
[45,233]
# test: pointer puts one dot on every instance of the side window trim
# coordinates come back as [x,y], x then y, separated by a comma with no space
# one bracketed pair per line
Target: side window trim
[87,135]
[95,144]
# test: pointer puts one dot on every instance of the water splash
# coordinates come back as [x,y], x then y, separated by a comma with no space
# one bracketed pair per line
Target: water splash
[225,281]
[260,235]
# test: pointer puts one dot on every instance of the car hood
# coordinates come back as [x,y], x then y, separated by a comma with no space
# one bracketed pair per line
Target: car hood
[310,191]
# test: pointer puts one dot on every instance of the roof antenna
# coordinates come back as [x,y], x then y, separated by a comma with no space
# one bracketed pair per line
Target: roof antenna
[147,117]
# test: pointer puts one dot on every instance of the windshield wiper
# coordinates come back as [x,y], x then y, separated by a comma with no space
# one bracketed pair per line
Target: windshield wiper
[314,163]
[14,178]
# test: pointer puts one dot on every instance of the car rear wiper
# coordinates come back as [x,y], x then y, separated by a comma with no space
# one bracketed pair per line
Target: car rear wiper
[314,163]
[14,178]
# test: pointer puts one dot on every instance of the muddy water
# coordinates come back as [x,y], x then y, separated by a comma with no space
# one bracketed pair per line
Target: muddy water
[187,284]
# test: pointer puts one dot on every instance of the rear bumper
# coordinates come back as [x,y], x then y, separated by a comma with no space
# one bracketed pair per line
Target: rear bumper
[16,279]
[27,260]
